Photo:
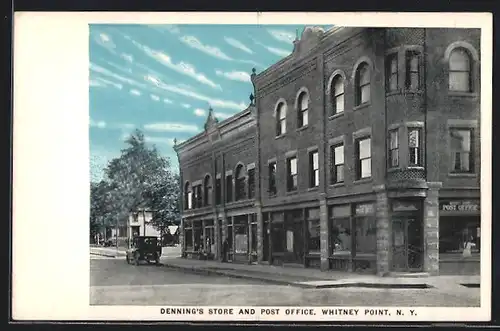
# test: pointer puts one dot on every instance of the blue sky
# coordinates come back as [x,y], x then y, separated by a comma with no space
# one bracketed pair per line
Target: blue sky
[162,79]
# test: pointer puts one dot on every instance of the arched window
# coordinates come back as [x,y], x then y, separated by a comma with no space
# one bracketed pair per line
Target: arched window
[188,196]
[303,113]
[362,84]
[460,70]
[207,191]
[337,93]
[281,119]
[239,183]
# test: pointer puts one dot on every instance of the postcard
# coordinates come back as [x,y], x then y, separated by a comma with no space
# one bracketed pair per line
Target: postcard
[238,167]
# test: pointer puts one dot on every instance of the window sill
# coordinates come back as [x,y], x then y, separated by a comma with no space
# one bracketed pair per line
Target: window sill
[302,128]
[465,174]
[337,115]
[394,92]
[463,94]
[414,167]
[363,181]
[294,192]
[363,105]
[272,196]
[279,137]
[340,184]
[312,189]
[411,91]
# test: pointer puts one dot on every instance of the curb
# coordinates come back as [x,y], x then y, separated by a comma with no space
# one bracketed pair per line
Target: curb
[107,254]
[204,271]
[102,254]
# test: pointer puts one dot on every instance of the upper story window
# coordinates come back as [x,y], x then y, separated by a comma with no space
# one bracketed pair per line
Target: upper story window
[291,174]
[363,158]
[281,119]
[337,164]
[197,197]
[303,111]
[188,199]
[415,147]
[460,70]
[362,80]
[393,149]
[337,93]
[462,160]
[272,179]
[207,190]
[251,183]
[239,187]
[313,169]
[218,191]
[413,60]
[229,188]
[392,72]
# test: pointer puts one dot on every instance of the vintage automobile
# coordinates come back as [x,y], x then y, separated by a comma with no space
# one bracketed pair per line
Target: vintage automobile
[144,248]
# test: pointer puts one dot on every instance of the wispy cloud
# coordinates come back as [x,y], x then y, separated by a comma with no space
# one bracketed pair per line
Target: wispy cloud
[96,83]
[238,44]
[180,67]
[282,35]
[159,140]
[185,105]
[235,75]
[105,41]
[274,50]
[135,92]
[193,42]
[174,29]
[171,127]
[155,97]
[197,96]
[102,82]
[98,69]
[199,112]
[166,100]
[127,57]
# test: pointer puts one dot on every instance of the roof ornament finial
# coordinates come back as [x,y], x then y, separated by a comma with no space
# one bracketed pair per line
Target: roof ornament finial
[175,142]
[252,98]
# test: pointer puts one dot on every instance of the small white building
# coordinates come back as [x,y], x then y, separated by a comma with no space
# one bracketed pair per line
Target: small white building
[139,224]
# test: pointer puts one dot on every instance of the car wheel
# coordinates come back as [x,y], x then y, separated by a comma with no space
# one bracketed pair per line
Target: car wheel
[157,261]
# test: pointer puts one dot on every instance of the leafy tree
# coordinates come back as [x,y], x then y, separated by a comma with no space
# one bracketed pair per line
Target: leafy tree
[141,177]
[100,213]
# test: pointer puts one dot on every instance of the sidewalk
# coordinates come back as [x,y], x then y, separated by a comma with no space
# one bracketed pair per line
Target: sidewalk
[167,252]
[314,278]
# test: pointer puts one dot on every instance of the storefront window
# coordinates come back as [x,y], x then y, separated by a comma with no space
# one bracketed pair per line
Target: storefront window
[459,235]
[198,243]
[278,235]
[365,225]
[254,238]
[313,227]
[240,235]
[340,230]
[209,242]
[188,239]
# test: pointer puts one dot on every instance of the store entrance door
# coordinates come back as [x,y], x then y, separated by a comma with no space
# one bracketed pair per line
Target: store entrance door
[407,244]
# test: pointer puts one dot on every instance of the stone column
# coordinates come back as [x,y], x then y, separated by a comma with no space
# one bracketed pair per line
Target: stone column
[260,232]
[181,238]
[383,230]
[218,241]
[324,237]
[431,229]
[249,238]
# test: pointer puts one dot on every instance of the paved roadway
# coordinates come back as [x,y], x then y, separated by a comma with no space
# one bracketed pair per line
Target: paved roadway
[114,282]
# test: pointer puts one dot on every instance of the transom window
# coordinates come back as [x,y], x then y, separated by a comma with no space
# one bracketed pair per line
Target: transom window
[337,94]
[460,70]
[303,115]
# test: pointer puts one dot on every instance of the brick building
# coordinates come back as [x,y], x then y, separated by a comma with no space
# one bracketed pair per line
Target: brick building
[360,152]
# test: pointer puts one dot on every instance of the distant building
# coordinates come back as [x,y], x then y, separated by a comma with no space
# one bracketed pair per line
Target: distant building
[360,152]
[139,224]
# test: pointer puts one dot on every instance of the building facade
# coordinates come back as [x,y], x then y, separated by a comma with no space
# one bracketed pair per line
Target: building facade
[361,152]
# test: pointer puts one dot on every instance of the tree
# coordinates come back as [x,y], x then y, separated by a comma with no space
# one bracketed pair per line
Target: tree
[141,177]
[100,213]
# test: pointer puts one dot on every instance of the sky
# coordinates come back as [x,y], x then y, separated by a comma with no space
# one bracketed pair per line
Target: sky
[162,79]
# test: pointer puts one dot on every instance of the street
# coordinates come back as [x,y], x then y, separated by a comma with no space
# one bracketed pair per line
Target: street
[114,282]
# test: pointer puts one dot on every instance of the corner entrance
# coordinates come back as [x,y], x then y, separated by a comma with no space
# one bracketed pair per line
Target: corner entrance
[407,244]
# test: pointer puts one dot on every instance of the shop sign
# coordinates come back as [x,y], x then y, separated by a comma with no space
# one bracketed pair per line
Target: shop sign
[461,206]
[365,209]
[404,206]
